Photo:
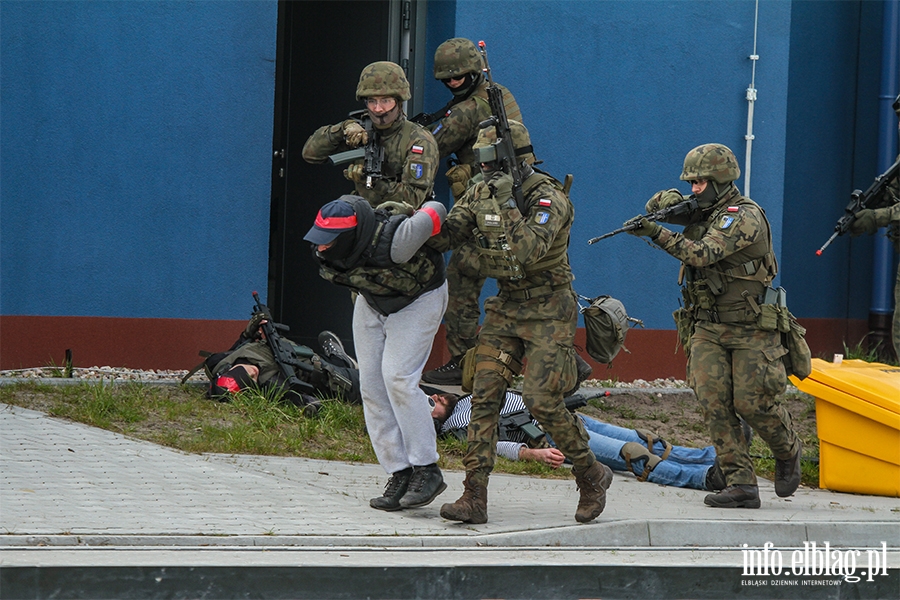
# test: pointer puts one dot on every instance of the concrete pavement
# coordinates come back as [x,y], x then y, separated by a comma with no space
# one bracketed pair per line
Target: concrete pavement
[78,503]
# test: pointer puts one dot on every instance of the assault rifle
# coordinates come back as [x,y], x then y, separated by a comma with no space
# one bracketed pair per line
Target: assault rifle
[521,419]
[372,152]
[858,201]
[282,350]
[676,210]
[504,147]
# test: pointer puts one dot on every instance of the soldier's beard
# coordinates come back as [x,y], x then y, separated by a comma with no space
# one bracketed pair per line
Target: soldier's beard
[385,120]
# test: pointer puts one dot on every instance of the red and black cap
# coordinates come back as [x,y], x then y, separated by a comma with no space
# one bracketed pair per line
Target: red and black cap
[333,219]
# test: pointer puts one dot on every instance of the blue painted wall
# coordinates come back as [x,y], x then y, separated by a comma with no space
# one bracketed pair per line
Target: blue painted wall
[832,143]
[136,139]
[136,157]
[616,93]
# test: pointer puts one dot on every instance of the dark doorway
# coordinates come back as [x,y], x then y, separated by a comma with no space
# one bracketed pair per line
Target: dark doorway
[318,64]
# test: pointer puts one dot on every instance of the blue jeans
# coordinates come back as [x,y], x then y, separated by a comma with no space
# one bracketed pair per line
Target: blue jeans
[684,467]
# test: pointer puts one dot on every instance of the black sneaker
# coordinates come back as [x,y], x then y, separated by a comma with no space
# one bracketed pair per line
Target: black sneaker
[448,374]
[393,491]
[715,478]
[333,350]
[787,474]
[734,496]
[424,486]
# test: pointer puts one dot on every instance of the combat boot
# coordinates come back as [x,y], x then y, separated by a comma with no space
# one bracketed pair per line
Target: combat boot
[734,496]
[471,506]
[425,484]
[715,478]
[592,484]
[393,491]
[787,473]
[447,374]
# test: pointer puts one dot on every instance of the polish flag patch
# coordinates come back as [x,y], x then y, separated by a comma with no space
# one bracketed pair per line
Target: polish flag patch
[544,202]
[733,208]
[418,149]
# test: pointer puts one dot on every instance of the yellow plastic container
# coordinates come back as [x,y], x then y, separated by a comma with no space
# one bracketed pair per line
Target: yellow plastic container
[858,422]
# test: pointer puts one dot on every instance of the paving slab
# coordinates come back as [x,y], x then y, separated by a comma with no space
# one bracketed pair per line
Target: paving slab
[76,500]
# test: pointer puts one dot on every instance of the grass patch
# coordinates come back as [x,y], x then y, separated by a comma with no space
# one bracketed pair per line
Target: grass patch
[181,417]
[862,351]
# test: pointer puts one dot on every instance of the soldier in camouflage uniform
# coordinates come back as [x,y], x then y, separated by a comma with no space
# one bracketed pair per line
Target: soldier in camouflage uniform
[458,65]
[532,318]
[887,214]
[734,363]
[410,152]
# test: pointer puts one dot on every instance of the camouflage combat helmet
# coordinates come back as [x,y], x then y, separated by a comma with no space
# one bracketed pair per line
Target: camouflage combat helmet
[383,78]
[713,162]
[456,57]
[487,137]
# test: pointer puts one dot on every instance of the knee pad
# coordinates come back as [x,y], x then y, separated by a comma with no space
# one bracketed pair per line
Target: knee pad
[634,451]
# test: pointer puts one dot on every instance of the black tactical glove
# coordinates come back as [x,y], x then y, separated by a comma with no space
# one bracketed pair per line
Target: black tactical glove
[251,331]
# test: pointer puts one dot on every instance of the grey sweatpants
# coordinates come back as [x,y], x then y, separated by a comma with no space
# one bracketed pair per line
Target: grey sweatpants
[391,352]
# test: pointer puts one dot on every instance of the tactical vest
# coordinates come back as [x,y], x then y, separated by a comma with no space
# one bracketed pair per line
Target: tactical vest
[509,102]
[496,257]
[717,292]
[386,285]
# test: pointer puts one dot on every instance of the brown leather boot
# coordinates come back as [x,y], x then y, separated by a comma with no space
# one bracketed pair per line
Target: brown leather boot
[471,506]
[592,483]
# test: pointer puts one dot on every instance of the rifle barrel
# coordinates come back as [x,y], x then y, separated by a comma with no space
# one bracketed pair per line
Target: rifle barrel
[828,243]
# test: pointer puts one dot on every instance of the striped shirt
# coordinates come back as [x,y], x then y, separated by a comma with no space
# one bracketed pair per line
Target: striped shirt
[462,414]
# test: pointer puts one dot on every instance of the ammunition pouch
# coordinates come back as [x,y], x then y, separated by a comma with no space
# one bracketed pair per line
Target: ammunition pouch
[769,316]
[798,360]
[684,325]
[773,315]
[700,295]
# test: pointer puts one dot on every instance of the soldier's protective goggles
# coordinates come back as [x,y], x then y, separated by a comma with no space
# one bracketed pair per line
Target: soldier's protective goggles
[387,102]
[485,154]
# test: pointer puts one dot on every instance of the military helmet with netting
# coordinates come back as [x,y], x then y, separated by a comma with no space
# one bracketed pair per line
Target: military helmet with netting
[456,57]
[383,78]
[712,162]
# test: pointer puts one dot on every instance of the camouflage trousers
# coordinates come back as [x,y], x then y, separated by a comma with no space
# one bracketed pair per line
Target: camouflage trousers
[463,308]
[540,330]
[736,371]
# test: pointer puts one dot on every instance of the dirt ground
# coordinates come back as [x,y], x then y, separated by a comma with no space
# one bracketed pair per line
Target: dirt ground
[675,416]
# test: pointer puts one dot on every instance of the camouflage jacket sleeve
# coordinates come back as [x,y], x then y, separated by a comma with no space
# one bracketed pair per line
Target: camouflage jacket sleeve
[458,226]
[458,128]
[417,158]
[728,232]
[549,215]
[324,142]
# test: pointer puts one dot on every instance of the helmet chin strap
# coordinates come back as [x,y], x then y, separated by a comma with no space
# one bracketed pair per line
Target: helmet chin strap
[385,120]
